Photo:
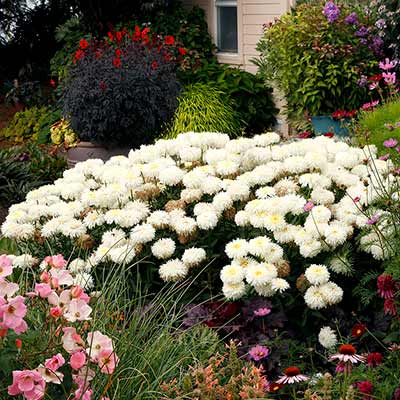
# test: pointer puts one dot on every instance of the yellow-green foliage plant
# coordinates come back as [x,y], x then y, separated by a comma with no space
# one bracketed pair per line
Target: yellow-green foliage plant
[374,127]
[32,124]
[204,108]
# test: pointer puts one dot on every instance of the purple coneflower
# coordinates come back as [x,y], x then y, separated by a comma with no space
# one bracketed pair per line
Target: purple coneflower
[347,353]
[292,375]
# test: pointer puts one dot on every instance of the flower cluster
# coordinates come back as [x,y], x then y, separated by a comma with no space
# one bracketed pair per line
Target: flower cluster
[65,307]
[170,198]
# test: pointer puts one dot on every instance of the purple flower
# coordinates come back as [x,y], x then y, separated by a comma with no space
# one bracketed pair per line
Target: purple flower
[258,352]
[308,206]
[332,11]
[363,81]
[376,44]
[373,220]
[351,19]
[363,31]
[262,312]
[390,143]
[380,24]
[385,157]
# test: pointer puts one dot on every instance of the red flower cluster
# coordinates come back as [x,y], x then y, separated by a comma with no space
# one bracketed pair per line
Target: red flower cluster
[366,388]
[374,359]
[340,114]
[387,288]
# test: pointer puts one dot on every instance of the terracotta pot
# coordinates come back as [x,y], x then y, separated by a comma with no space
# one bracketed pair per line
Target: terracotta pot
[86,150]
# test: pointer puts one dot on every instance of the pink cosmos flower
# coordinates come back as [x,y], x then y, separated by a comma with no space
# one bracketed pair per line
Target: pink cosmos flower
[368,106]
[373,85]
[28,383]
[261,312]
[78,360]
[55,362]
[258,352]
[390,143]
[107,361]
[57,261]
[43,290]
[387,64]
[308,206]
[8,289]
[13,312]
[97,343]
[292,375]
[6,268]
[385,157]
[71,341]
[373,220]
[78,310]
[50,376]
[389,77]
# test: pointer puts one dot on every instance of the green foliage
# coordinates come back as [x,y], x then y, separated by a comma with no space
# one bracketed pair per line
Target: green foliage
[67,34]
[374,127]
[188,27]
[251,98]
[25,168]
[204,108]
[314,63]
[32,124]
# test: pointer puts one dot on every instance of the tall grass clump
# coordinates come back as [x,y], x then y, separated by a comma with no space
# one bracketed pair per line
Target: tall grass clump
[204,108]
[374,127]
[146,330]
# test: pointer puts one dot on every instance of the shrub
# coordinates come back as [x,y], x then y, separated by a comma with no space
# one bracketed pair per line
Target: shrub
[123,89]
[251,99]
[316,56]
[32,124]
[380,124]
[204,108]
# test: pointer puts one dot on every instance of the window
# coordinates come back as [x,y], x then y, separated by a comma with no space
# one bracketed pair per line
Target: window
[227,26]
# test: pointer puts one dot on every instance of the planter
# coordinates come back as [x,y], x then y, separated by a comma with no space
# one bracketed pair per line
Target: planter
[325,123]
[86,150]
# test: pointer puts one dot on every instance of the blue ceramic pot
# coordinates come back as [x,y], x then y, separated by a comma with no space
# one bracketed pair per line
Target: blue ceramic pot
[325,123]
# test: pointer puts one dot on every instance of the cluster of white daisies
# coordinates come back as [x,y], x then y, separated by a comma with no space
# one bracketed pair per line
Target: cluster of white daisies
[204,179]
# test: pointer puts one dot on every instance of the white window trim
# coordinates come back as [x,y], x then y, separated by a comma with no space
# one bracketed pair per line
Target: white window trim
[224,57]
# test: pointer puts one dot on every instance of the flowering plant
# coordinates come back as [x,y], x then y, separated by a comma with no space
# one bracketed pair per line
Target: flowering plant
[122,89]
[328,47]
[45,327]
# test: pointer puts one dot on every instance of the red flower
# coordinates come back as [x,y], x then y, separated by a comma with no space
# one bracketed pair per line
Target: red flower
[358,330]
[182,51]
[374,359]
[329,134]
[339,114]
[78,55]
[137,34]
[170,40]
[103,85]
[145,31]
[118,53]
[110,36]
[18,343]
[389,307]
[52,83]
[118,36]
[167,57]
[351,114]
[274,387]
[304,135]
[83,44]
[117,62]
[154,65]
[366,388]
[375,78]
[385,284]
[347,349]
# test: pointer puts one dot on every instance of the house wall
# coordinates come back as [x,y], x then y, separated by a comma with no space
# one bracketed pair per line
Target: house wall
[252,14]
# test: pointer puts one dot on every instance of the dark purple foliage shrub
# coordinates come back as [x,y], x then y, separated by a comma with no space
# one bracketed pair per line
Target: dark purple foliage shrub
[123,89]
